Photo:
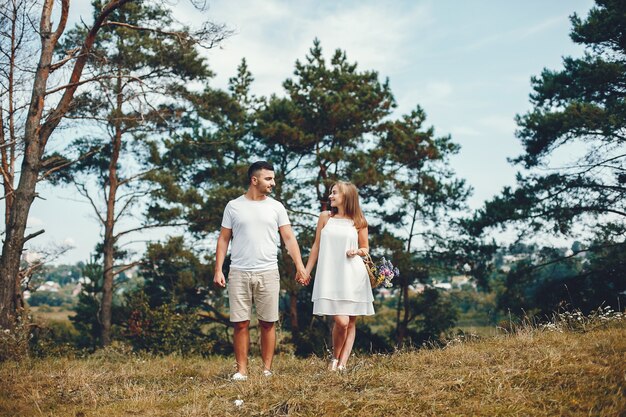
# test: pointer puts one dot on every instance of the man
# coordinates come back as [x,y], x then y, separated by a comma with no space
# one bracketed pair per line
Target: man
[252,221]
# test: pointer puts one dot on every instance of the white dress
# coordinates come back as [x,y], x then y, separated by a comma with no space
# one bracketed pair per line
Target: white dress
[341,286]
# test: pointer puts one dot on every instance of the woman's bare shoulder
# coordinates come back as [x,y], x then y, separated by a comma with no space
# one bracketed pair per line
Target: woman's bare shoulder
[323,219]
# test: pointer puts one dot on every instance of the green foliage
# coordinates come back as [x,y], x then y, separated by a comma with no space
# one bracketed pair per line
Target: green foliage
[474,307]
[545,280]
[436,315]
[55,338]
[205,167]
[581,104]
[86,319]
[333,123]
[61,274]
[50,298]
[166,329]
[174,274]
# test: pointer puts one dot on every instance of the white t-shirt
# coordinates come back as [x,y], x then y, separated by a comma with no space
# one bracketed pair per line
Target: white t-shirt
[254,226]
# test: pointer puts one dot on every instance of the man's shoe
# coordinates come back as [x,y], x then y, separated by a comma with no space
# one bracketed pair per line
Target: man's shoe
[267,373]
[239,377]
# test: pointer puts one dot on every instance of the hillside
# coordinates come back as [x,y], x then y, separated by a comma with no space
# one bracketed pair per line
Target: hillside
[532,373]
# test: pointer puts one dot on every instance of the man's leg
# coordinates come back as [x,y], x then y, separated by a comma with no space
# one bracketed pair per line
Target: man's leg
[241,345]
[240,300]
[266,294]
[268,343]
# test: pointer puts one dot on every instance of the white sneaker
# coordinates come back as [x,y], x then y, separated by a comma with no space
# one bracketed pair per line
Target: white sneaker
[333,365]
[239,377]
[267,373]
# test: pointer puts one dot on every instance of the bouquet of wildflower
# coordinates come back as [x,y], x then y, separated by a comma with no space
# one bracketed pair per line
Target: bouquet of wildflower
[380,273]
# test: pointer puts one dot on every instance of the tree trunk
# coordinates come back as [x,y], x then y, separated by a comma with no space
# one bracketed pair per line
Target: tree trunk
[400,333]
[109,224]
[403,296]
[8,149]
[36,136]
[10,291]
[293,310]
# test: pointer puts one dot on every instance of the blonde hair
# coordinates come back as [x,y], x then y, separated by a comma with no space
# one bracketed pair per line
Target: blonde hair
[350,203]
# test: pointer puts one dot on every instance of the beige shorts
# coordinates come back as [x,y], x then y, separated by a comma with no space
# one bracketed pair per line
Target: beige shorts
[260,288]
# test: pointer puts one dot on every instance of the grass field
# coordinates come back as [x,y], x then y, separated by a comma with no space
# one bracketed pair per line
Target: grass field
[533,373]
[48,314]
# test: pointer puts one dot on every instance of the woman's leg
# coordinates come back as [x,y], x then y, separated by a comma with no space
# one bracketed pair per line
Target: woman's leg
[340,331]
[349,342]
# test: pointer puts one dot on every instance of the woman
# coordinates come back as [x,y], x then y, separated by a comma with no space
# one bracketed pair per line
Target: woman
[342,288]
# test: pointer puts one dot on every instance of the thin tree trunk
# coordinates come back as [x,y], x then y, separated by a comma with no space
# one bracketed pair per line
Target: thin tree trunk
[8,149]
[403,296]
[293,311]
[109,224]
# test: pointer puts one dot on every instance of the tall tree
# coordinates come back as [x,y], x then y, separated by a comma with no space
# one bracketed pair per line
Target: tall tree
[41,120]
[422,194]
[16,47]
[322,131]
[47,106]
[202,167]
[581,109]
[137,66]
[578,110]
[334,122]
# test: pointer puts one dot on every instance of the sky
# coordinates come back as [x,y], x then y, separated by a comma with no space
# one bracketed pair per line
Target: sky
[468,64]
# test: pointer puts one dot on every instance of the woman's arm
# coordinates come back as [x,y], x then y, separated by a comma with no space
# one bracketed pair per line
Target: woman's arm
[315,249]
[364,246]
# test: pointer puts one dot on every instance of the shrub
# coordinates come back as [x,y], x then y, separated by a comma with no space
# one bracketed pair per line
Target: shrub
[164,329]
[54,338]
[50,298]
[14,341]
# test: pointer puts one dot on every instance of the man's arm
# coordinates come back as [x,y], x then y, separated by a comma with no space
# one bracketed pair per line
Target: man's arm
[220,254]
[286,232]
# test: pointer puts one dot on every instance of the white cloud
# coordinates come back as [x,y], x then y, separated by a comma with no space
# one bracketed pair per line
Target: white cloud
[273,34]
[69,242]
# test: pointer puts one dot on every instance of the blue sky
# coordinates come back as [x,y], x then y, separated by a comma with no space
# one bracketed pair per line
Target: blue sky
[467,63]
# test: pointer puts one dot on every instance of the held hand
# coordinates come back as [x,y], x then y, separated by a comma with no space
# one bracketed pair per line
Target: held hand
[303,277]
[219,279]
[352,253]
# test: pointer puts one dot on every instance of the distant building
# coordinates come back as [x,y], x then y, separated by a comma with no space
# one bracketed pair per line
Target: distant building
[49,286]
[459,280]
[31,256]
[443,286]
[417,288]
[77,289]
[384,292]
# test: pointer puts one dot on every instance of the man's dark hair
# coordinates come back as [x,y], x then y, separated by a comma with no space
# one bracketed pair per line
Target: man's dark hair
[256,167]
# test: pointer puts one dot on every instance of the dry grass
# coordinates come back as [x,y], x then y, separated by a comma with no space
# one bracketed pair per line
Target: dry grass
[535,373]
[58,314]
